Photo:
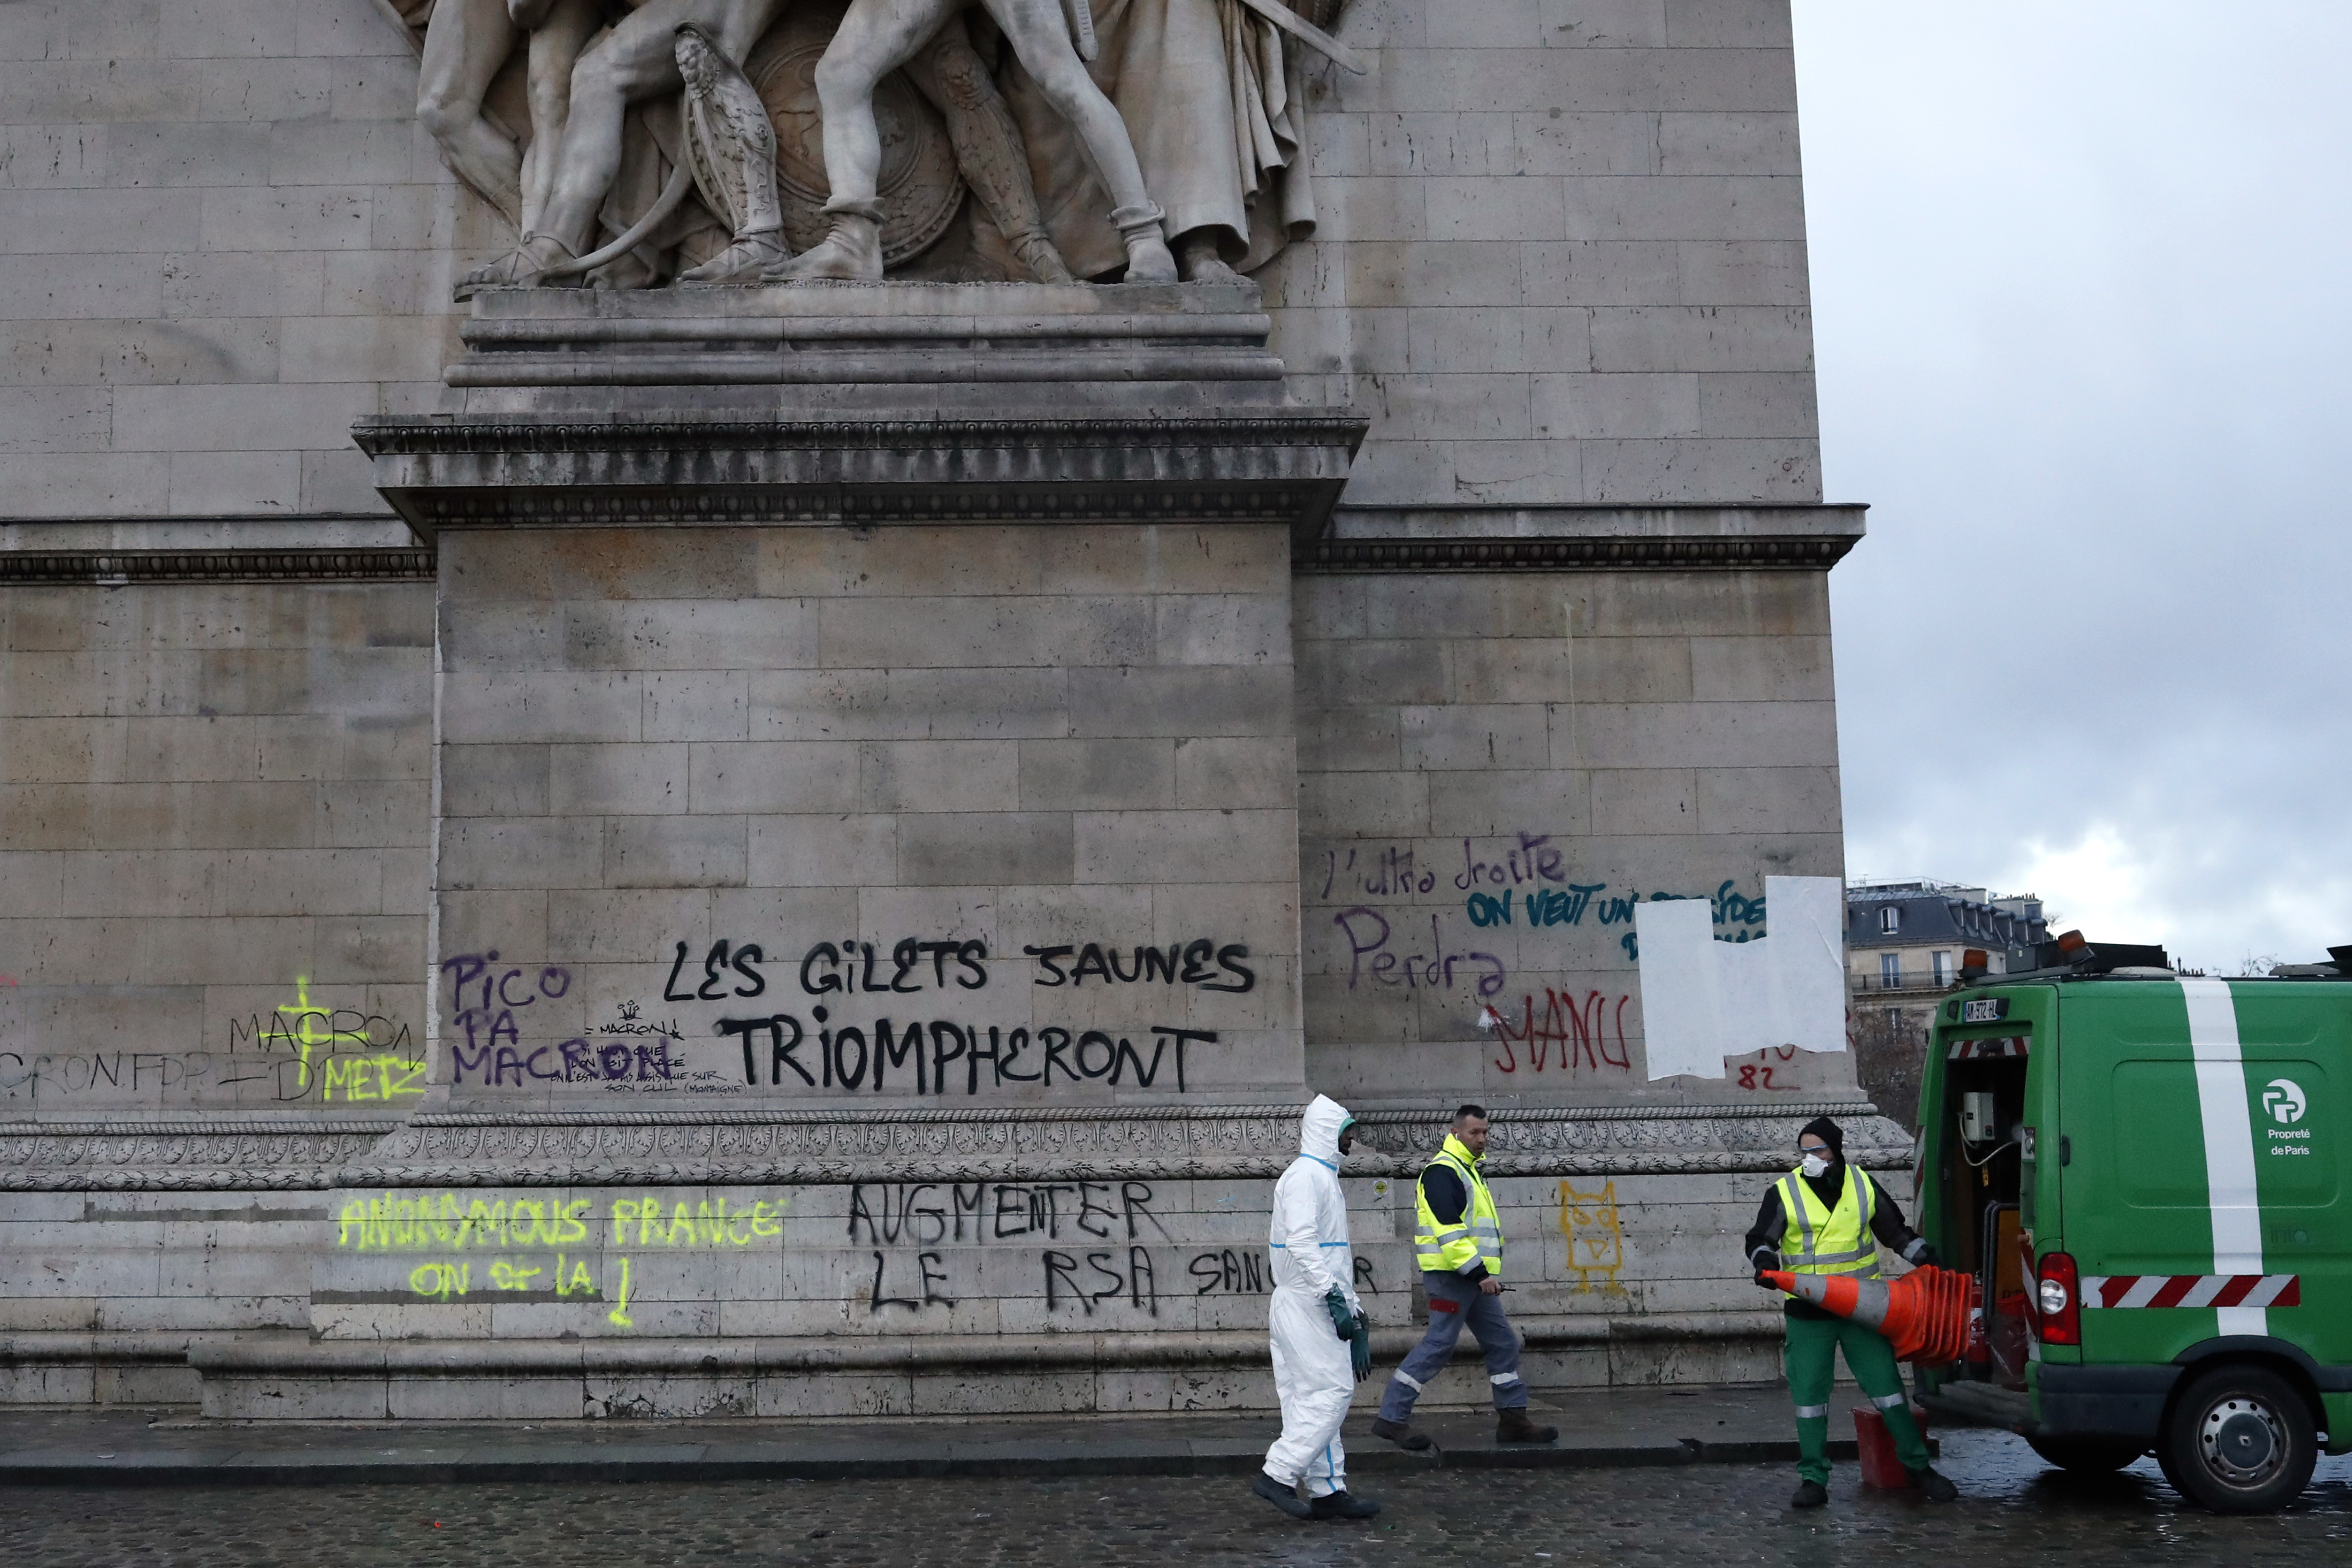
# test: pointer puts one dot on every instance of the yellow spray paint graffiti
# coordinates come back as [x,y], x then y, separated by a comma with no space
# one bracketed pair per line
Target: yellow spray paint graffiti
[495,1247]
[619,1315]
[1596,1242]
[340,1050]
[446,1223]
[442,1280]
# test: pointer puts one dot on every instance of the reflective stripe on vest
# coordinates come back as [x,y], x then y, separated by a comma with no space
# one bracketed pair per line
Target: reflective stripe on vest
[1447,1248]
[1818,1239]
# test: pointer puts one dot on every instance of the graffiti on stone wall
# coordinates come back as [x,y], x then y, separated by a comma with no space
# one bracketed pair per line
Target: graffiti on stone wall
[344,1052]
[1568,1035]
[1521,880]
[1776,1071]
[545,1249]
[308,1049]
[1511,934]
[1596,1240]
[1096,1246]
[845,1028]
[883,1256]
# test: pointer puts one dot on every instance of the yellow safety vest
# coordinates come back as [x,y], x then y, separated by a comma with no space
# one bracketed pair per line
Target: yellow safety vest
[1819,1239]
[1448,1248]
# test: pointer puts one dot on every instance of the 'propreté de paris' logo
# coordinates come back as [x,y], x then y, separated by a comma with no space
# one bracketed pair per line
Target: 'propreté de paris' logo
[2284,1100]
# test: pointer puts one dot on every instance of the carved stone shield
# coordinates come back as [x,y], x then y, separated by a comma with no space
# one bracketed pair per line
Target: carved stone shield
[921,188]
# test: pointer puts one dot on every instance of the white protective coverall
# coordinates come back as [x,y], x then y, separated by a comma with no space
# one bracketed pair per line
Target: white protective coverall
[1312,1372]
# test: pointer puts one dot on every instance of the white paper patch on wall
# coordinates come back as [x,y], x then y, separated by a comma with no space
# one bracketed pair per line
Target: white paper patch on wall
[1703,1000]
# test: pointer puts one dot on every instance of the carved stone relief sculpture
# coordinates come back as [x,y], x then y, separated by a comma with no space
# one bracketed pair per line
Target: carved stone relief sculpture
[623,138]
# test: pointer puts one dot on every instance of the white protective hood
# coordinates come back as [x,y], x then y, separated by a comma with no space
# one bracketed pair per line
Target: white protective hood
[1319,1130]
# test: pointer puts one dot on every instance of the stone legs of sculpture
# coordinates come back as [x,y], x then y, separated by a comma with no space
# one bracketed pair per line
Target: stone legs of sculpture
[877,36]
[988,147]
[730,144]
[637,60]
[560,29]
[557,31]
[464,44]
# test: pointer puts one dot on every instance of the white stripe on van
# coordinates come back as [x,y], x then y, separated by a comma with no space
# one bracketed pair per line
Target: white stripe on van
[2230,1192]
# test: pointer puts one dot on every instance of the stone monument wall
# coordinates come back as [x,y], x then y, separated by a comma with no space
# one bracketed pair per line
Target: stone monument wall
[415,939]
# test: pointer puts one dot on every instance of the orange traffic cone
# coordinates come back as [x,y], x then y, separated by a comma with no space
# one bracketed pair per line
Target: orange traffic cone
[1924,1313]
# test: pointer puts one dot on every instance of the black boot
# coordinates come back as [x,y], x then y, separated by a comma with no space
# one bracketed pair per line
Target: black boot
[1933,1487]
[1513,1426]
[1401,1434]
[1809,1494]
[1339,1505]
[1284,1498]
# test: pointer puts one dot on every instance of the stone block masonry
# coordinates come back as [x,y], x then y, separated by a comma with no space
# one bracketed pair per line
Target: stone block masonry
[738,817]
[767,849]
[215,831]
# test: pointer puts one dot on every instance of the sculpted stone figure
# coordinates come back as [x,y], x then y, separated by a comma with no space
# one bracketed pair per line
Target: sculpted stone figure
[949,72]
[1105,105]
[1212,96]
[466,42]
[465,47]
[731,145]
[875,38]
[638,60]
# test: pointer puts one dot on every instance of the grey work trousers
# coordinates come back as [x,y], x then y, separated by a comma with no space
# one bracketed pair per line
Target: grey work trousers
[1453,1302]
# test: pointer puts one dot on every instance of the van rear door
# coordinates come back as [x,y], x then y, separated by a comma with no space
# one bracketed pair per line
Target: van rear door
[2181,1219]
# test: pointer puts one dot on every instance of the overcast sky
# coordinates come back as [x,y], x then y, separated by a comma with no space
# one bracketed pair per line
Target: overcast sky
[2082,293]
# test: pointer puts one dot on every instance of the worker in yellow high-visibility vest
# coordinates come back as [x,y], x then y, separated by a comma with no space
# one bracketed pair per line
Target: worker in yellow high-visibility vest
[1459,1240]
[1827,1216]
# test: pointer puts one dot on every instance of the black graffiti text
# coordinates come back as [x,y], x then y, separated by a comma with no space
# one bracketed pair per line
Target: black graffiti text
[852,1057]
[1180,963]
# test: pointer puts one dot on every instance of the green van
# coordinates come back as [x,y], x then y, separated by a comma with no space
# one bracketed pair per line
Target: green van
[2145,1173]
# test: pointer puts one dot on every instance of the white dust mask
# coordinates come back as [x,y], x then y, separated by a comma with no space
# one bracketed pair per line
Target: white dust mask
[1817,1164]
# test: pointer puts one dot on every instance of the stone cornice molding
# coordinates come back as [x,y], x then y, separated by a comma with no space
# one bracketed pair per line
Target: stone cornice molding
[1688,536]
[1416,555]
[671,470]
[118,568]
[184,1154]
[745,1148]
[661,434]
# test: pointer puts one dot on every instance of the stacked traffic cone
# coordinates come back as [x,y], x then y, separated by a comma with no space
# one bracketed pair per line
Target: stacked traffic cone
[1926,1313]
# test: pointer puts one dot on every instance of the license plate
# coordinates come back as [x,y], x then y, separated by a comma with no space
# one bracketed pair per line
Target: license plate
[1984,1010]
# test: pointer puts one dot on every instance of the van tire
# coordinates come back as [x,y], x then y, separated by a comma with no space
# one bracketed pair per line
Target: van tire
[2088,1455]
[2240,1439]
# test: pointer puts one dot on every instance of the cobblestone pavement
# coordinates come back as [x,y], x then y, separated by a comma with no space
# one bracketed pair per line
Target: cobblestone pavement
[1710,1514]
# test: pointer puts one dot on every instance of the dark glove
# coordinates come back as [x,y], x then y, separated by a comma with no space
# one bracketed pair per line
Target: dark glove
[1927,1257]
[1763,1261]
[1343,1317]
[1360,1348]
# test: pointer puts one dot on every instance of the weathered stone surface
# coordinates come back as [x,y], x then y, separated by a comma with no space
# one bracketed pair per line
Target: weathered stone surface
[1470,550]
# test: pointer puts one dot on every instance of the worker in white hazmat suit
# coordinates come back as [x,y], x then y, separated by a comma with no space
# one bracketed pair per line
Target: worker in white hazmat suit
[1322,1344]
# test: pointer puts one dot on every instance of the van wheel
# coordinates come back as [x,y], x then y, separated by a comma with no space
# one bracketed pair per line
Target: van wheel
[2089,1454]
[2239,1440]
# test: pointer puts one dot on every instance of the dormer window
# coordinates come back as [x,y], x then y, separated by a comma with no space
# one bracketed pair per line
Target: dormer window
[1890,920]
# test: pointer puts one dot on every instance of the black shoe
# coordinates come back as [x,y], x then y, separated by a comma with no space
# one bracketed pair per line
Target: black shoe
[1809,1494]
[1933,1487]
[1339,1505]
[1281,1496]
[1513,1426]
[1401,1434]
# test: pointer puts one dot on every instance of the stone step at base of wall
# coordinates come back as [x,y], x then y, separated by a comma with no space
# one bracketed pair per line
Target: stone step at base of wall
[1736,1424]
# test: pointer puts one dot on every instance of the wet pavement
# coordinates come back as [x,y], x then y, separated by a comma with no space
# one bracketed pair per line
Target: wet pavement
[2013,1508]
